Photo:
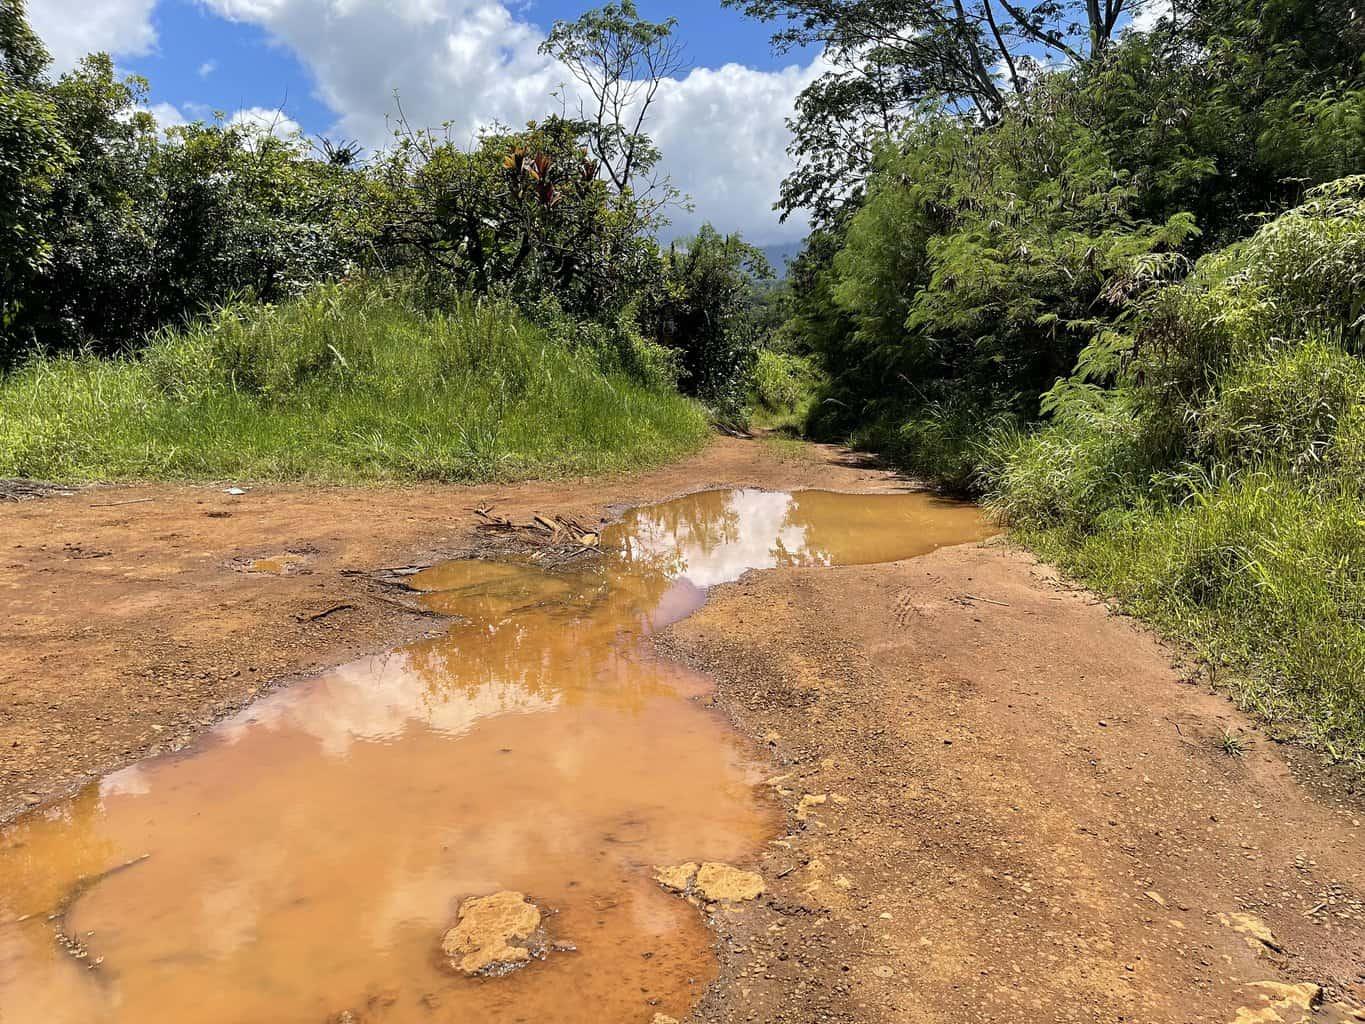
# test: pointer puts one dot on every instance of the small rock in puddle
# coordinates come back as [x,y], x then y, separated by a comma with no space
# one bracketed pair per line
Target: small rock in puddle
[714,883]
[495,935]
[677,878]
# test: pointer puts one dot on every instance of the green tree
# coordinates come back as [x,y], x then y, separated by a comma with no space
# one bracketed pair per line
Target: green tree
[892,58]
[523,213]
[99,215]
[244,209]
[33,154]
[622,61]
[707,308]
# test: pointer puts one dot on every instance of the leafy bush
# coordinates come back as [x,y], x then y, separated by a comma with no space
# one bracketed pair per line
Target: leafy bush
[704,308]
[1218,488]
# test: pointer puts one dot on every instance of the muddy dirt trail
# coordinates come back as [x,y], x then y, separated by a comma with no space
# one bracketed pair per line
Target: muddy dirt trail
[777,754]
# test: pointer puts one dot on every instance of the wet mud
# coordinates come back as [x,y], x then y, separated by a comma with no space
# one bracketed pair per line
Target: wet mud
[314,857]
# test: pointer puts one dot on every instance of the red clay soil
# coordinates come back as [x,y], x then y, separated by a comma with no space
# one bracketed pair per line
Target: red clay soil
[1006,803]
[132,618]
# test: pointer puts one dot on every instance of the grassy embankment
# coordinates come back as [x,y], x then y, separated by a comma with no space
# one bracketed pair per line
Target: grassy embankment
[349,383]
[1208,467]
[1219,490]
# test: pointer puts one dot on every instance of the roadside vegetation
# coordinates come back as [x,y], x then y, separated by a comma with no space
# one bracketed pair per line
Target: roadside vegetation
[220,299]
[349,382]
[1116,289]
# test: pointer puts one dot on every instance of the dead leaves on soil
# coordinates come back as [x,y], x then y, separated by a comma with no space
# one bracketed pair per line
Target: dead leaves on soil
[558,537]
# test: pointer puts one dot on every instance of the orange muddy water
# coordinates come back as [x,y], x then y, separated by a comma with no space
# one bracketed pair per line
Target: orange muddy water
[303,860]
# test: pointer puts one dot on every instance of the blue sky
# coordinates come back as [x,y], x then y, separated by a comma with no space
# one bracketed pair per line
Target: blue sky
[204,62]
[334,65]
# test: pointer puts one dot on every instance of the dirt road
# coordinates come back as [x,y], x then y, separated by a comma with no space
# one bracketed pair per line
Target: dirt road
[1016,809]
[1005,803]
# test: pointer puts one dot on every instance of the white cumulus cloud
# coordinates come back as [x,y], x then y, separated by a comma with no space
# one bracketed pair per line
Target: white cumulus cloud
[73,28]
[474,62]
[266,121]
[1148,13]
[167,115]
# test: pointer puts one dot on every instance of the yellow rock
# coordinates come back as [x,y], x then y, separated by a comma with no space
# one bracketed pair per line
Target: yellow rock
[718,882]
[1282,1004]
[663,1018]
[488,927]
[807,802]
[677,878]
[1257,932]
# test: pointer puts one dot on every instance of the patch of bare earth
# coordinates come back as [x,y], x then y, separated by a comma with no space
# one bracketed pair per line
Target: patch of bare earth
[1005,805]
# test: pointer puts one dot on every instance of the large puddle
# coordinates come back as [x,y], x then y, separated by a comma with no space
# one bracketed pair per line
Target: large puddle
[302,861]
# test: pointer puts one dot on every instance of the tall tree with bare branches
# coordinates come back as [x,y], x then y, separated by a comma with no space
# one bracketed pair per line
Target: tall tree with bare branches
[621,61]
[891,57]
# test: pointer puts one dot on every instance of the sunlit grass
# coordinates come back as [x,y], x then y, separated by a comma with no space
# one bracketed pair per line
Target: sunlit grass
[350,383]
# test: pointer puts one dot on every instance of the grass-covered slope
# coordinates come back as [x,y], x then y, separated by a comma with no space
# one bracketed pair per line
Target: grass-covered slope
[348,383]
[1218,488]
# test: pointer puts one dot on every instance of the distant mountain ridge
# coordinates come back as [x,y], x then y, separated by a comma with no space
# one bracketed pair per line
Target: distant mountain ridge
[778,255]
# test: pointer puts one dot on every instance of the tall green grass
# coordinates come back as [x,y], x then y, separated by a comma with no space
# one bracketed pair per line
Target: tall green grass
[782,391]
[1219,489]
[348,383]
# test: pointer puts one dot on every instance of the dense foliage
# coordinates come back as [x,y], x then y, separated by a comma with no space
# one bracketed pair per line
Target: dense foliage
[222,299]
[1074,304]
[112,228]
[983,258]
[1219,484]
[705,309]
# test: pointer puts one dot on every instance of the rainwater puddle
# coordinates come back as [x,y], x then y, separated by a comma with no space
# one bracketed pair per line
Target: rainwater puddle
[302,861]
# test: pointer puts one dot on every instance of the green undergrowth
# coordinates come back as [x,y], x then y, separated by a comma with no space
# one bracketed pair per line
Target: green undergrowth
[1207,468]
[349,383]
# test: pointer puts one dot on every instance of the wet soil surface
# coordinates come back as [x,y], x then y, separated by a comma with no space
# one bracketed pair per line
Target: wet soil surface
[134,617]
[1000,801]
[304,860]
